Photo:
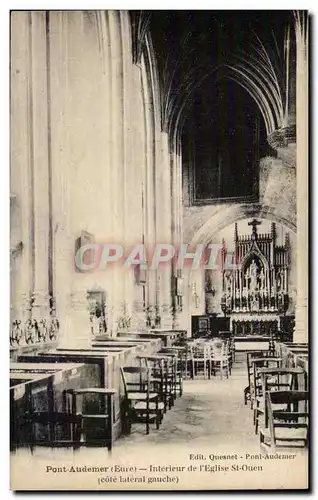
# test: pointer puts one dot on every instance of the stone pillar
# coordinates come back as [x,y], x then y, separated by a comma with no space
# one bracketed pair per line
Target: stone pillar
[301,323]
[41,158]
[151,119]
[63,243]
[176,226]
[185,315]
[118,157]
[138,169]
[21,164]
[163,220]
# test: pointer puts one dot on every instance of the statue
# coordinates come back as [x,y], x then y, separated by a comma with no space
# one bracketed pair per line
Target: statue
[42,330]
[253,274]
[31,331]
[53,328]
[16,332]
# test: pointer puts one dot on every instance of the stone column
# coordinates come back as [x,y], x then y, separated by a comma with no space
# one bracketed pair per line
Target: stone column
[41,158]
[136,165]
[176,227]
[22,231]
[118,158]
[151,118]
[301,323]
[163,226]
[63,244]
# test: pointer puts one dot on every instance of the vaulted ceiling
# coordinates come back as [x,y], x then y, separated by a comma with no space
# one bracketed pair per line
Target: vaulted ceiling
[222,77]
[245,46]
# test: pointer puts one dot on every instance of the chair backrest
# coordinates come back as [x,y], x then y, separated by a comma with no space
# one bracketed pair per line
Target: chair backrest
[280,378]
[157,367]
[200,350]
[135,378]
[257,365]
[287,397]
[257,354]
[288,415]
[180,353]
[218,347]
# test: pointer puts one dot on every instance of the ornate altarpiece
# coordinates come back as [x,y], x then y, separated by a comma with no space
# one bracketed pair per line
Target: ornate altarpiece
[255,292]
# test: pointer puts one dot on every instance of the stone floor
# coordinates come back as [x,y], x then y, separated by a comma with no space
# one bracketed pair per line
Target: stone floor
[208,427]
[209,411]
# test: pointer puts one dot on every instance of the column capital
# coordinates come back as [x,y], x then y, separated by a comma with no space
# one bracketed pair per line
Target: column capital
[280,138]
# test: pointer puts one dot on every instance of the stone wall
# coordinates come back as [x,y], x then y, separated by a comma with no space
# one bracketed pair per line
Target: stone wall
[88,157]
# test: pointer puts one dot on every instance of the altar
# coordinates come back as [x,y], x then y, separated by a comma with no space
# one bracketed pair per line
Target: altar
[255,288]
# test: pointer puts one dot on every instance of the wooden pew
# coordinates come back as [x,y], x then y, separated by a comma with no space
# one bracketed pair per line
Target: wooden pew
[108,357]
[164,337]
[41,392]
[95,364]
[169,336]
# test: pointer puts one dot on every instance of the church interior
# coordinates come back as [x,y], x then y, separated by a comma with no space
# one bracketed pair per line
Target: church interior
[176,128]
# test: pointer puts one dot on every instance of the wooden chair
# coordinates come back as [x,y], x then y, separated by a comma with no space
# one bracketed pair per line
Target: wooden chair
[161,380]
[219,357]
[273,379]
[189,365]
[179,365]
[140,404]
[257,364]
[200,358]
[102,421]
[227,335]
[249,356]
[288,426]
[232,350]
[172,376]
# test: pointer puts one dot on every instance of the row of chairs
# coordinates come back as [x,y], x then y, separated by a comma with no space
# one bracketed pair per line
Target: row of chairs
[279,397]
[210,357]
[152,387]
